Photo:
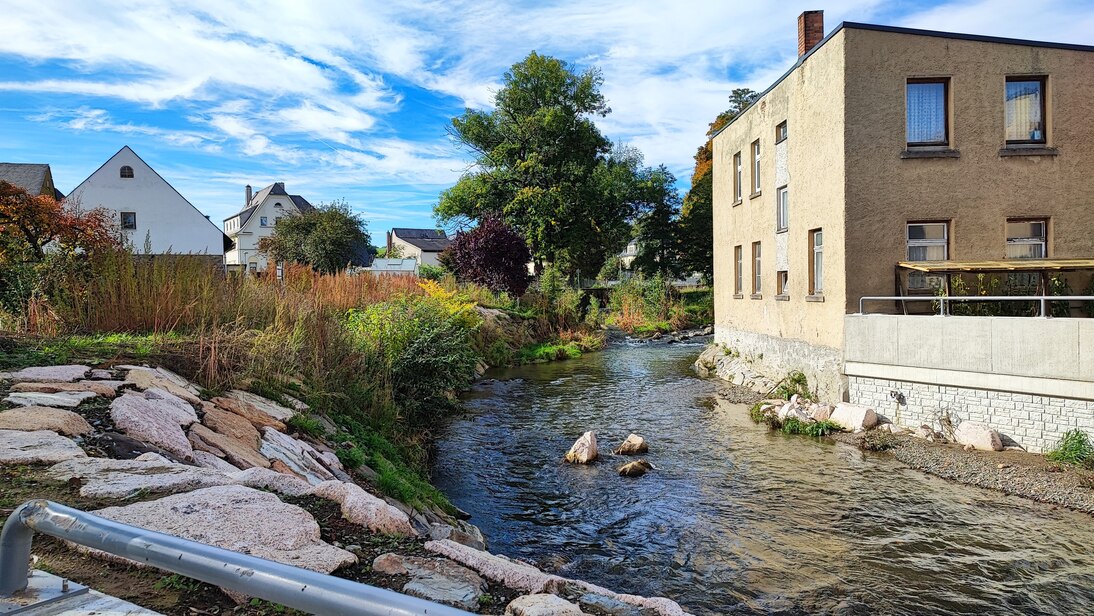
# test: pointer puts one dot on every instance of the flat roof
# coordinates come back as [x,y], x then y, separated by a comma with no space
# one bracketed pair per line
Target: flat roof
[914,31]
[1002,265]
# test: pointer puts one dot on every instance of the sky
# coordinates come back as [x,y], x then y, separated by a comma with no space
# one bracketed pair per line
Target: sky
[351,100]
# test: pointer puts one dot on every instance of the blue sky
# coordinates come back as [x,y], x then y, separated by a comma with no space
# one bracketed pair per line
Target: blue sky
[351,99]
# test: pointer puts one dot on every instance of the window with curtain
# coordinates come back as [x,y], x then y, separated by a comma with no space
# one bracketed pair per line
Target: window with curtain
[1027,239]
[1024,110]
[927,115]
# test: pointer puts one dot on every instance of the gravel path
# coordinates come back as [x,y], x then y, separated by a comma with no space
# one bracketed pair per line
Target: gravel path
[1012,472]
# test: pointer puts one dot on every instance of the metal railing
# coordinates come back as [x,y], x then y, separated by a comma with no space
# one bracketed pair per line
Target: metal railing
[945,300]
[255,577]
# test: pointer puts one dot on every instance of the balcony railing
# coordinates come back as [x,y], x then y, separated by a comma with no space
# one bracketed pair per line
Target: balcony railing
[944,301]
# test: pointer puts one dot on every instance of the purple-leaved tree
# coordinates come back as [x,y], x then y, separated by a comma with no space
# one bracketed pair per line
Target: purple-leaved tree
[493,255]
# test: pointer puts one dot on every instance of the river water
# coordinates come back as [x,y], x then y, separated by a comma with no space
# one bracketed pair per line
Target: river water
[736,519]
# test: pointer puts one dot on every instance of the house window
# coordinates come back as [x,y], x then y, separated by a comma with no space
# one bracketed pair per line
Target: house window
[781,279]
[782,210]
[756,167]
[816,262]
[262,221]
[928,113]
[1024,110]
[252,267]
[126,172]
[737,183]
[927,241]
[1027,239]
[757,288]
[129,220]
[738,270]
[780,132]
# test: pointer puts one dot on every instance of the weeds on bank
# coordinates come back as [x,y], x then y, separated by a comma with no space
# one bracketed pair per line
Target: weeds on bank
[793,384]
[1074,448]
[793,425]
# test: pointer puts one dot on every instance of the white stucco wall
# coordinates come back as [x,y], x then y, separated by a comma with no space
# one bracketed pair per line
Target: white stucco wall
[165,217]
[250,234]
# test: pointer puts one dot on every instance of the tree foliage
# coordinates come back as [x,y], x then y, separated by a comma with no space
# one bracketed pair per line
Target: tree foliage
[327,237]
[30,223]
[543,167]
[659,249]
[493,255]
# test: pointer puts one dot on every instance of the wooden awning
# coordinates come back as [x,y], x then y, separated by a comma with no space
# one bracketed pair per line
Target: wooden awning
[1002,265]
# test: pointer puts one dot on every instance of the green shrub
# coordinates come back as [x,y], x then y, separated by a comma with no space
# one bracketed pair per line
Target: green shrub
[793,425]
[794,383]
[350,458]
[306,425]
[1074,448]
[432,272]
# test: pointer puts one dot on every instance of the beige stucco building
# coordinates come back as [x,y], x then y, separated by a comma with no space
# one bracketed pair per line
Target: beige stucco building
[884,145]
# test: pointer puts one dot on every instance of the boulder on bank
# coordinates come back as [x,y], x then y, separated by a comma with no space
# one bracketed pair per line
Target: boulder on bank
[48,374]
[542,605]
[434,579]
[107,478]
[820,412]
[106,389]
[635,469]
[364,509]
[633,445]
[39,447]
[978,436]
[154,422]
[159,378]
[583,450]
[238,453]
[854,417]
[61,399]
[32,418]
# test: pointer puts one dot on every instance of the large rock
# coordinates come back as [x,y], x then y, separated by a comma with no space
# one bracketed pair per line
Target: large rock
[583,450]
[106,478]
[40,447]
[205,459]
[106,389]
[633,445]
[542,604]
[48,374]
[240,519]
[268,479]
[31,418]
[979,436]
[463,533]
[434,579]
[232,426]
[600,604]
[152,422]
[123,447]
[269,407]
[820,412]
[159,378]
[250,412]
[238,453]
[63,399]
[364,509]
[180,409]
[635,469]
[854,417]
[302,458]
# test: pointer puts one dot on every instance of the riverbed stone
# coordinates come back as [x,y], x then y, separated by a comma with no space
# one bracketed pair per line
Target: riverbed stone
[107,478]
[238,453]
[240,519]
[268,479]
[62,399]
[542,604]
[820,412]
[302,458]
[106,389]
[633,445]
[38,447]
[434,579]
[583,450]
[978,436]
[32,418]
[233,426]
[635,469]
[609,606]
[48,374]
[159,378]
[153,422]
[854,417]
[464,533]
[364,509]
[265,405]
[257,417]
[180,409]
[204,459]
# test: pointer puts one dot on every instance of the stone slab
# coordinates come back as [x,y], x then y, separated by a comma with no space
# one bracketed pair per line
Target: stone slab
[364,509]
[32,418]
[239,454]
[63,399]
[269,407]
[47,374]
[152,422]
[302,458]
[39,447]
[106,389]
[107,478]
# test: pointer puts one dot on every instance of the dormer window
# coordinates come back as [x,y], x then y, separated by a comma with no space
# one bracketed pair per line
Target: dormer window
[126,172]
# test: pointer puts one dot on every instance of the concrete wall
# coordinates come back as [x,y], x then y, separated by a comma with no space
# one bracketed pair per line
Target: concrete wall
[1030,378]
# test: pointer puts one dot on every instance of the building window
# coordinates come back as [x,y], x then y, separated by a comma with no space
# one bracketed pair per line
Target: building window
[780,132]
[738,270]
[126,172]
[816,262]
[757,287]
[252,267]
[1024,110]
[129,220]
[737,183]
[781,279]
[928,113]
[262,221]
[1027,239]
[927,241]
[756,167]
[782,209]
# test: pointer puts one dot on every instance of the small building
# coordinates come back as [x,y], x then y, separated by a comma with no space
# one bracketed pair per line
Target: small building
[154,217]
[424,245]
[392,267]
[256,220]
[35,178]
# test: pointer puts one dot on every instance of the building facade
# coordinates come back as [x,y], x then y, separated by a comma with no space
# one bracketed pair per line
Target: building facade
[423,245]
[255,221]
[884,146]
[35,178]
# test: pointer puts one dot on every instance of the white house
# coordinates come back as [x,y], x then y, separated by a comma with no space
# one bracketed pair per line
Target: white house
[424,245]
[256,220]
[154,217]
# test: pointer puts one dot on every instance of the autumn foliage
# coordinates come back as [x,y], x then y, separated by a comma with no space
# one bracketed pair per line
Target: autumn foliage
[29,223]
[492,255]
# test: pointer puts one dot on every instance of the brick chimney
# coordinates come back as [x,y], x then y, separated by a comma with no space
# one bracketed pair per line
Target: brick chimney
[248,202]
[810,31]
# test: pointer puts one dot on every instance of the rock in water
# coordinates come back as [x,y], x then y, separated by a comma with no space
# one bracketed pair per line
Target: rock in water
[854,417]
[978,436]
[542,605]
[584,450]
[633,445]
[635,469]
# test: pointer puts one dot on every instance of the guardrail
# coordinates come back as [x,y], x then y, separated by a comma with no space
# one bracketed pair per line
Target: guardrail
[945,300]
[255,577]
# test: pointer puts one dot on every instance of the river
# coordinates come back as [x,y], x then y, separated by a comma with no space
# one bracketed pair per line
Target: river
[737,519]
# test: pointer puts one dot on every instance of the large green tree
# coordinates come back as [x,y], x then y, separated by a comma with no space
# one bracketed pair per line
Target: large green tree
[542,166]
[658,227]
[696,231]
[327,237]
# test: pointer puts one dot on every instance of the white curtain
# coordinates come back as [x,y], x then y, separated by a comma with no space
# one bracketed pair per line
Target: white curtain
[926,113]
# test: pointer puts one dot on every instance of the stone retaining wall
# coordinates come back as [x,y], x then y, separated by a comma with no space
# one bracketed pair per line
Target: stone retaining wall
[775,357]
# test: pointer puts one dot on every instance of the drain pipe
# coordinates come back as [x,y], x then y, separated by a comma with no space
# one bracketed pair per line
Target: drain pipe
[294,587]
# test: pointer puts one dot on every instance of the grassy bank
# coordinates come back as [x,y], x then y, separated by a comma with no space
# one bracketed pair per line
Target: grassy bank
[646,306]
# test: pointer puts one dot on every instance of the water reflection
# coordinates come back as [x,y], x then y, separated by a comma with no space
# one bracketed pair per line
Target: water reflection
[737,519]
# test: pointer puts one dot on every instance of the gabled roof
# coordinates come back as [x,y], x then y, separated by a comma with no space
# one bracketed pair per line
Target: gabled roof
[277,188]
[28,176]
[429,240]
